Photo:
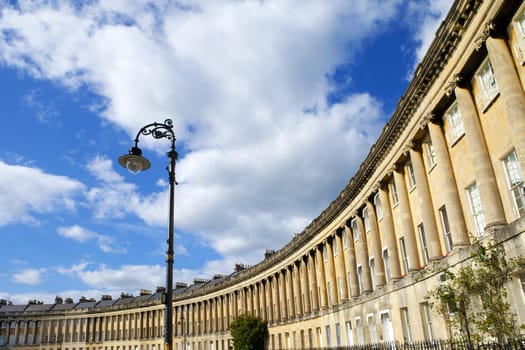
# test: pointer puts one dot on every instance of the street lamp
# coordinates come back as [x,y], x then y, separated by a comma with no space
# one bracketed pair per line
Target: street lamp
[135,162]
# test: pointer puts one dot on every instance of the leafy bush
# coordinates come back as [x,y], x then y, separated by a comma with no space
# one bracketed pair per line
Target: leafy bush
[248,333]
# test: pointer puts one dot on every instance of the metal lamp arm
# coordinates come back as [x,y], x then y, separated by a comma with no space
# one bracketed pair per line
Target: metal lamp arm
[158,131]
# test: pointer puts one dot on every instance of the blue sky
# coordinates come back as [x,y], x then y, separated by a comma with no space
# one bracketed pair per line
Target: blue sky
[274,105]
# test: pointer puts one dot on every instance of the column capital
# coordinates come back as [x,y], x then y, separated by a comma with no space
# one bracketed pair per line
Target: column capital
[428,118]
[488,30]
[391,170]
[411,145]
[458,80]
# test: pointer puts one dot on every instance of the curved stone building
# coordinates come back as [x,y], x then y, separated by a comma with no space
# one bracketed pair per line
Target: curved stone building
[446,169]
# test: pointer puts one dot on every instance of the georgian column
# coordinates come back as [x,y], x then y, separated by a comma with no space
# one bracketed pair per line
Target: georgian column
[282,295]
[297,288]
[305,295]
[312,279]
[226,319]
[269,299]
[213,306]
[485,178]
[340,271]
[426,206]
[262,300]
[321,281]
[192,314]
[235,303]
[256,300]
[222,312]
[205,317]
[275,297]
[447,184]
[288,280]
[374,245]
[388,236]
[248,295]
[511,91]
[407,225]
[244,300]
[362,255]
[351,263]
[330,273]
[201,326]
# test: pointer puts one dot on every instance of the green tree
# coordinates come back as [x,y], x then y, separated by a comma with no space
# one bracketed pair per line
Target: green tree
[248,333]
[473,298]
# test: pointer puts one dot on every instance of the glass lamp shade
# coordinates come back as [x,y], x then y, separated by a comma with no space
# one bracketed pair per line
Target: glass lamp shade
[134,161]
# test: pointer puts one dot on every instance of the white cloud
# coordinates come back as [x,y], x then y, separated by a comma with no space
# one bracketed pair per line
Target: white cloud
[125,278]
[80,234]
[102,168]
[77,233]
[74,269]
[25,191]
[112,197]
[29,276]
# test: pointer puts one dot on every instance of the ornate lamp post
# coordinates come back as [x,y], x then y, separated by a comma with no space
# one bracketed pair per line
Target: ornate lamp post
[134,162]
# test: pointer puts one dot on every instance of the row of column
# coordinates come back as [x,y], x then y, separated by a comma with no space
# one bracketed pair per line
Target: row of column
[143,325]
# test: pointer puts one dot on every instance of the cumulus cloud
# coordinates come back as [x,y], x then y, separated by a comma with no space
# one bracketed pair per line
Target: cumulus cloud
[124,278]
[80,234]
[26,191]
[29,276]
[112,197]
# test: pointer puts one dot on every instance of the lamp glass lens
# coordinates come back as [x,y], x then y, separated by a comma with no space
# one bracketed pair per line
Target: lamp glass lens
[134,165]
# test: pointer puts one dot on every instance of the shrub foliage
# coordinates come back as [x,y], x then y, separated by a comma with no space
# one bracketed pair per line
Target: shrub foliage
[473,297]
[248,333]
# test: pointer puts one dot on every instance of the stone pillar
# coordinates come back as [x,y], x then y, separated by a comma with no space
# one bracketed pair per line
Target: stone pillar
[223,312]
[330,272]
[226,316]
[305,294]
[256,300]
[374,245]
[340,271]
[264,300]
[288,280]
[282,294]
[321,279]
[205,316]
[312,278]
[449,186]
[275,298]
[351,263]
[485,178]
[388,236]
[269,299]
[362,255]
[248,301]
[511,92]
[244,300]
[213,316]
[407,225]
[297,288]
[426,206]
